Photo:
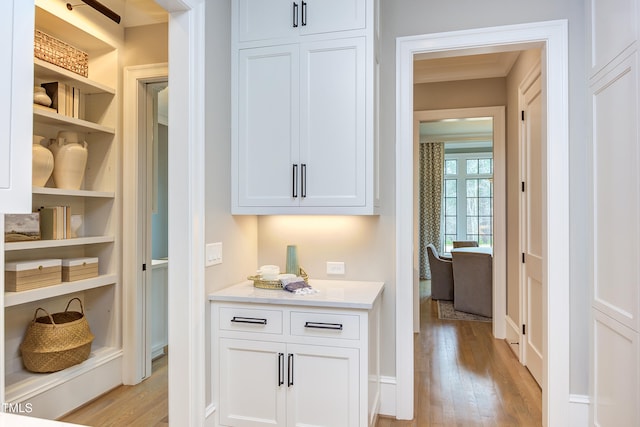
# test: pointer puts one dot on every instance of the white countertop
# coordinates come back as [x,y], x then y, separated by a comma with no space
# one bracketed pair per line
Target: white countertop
[332,293]
[12,420]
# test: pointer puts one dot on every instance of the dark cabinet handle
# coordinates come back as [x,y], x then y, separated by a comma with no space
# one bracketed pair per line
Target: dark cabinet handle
[280,369]
[304,13]
[294,180]
[250,320]
[304,181]
[295,14]
[321,325]
[290,370]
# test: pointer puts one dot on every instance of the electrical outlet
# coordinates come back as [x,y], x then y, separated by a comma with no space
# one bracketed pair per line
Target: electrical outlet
[213,254]
[334,267]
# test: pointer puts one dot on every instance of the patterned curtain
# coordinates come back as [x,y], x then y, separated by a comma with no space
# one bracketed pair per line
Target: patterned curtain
[430,217]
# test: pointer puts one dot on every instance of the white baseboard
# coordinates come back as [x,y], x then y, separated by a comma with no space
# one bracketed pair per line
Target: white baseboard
[513,336]
[578,410]
[387,396]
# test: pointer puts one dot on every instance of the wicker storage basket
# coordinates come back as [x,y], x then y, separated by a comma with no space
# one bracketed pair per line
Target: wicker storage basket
[56,341]
[57,52]
[274,284]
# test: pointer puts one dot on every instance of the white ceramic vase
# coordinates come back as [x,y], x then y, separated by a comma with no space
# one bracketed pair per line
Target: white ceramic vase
[42,162]
[40,96]
[70,164]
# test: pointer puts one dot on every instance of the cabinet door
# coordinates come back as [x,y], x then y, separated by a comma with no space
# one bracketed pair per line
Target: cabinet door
[252,383]
[268,126]
[276,19]
[324,16]
[323,389]
[333,101]
[266,19]
[16,85]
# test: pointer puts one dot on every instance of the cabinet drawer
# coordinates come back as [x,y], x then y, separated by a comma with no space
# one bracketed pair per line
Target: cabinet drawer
[250,320]
[325,325]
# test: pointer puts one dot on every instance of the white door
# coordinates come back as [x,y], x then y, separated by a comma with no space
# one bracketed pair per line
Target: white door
[16,110]
[253,383]
[322,386]
[531,227]
[332,127]
[268,127]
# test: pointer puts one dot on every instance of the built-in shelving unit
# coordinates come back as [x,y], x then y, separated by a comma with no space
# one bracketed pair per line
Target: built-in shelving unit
[97,201]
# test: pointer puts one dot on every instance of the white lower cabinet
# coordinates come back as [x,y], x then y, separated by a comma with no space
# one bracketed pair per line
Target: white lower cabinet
[276,384]
[285,365]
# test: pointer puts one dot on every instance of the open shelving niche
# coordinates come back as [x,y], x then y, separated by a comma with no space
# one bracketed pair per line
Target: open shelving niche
[98,202]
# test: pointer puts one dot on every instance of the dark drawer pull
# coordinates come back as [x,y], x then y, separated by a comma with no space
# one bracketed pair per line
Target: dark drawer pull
[250,320]
[320,325]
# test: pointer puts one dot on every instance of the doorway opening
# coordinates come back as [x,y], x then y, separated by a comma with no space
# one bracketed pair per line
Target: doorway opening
[145,243]
[551,38]
[472,134]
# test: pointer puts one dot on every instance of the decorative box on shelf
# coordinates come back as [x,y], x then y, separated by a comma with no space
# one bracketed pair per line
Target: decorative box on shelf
[79,268]
[59,53]
[26,275]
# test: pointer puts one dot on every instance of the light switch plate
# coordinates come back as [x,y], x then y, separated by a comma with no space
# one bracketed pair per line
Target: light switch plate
[213,254]
[334,267]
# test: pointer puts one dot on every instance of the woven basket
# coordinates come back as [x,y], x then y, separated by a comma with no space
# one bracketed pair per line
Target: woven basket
[274,284]
[56,341]
[57,52]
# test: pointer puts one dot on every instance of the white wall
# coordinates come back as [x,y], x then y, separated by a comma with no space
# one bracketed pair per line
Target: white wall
[238,234]
[367,244]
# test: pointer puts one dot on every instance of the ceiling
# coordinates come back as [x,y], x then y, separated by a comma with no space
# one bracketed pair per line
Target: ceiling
[137,12]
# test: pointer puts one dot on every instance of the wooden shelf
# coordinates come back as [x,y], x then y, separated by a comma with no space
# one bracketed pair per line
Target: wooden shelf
[49,72]
[64,288]
[73,193]
[23,385]
[43,244]
[53,118]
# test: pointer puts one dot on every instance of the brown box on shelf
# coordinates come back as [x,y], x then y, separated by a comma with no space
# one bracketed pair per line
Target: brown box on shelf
[26,275]
[79,268]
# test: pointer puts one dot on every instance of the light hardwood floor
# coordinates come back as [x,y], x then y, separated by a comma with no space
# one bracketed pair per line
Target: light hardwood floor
[463,377]
[143,405]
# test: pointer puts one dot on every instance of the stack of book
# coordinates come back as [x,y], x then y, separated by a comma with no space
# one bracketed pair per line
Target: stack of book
[65,99]
[55,222]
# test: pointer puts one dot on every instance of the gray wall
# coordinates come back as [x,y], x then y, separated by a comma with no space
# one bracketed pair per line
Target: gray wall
[367,244]
[160,219]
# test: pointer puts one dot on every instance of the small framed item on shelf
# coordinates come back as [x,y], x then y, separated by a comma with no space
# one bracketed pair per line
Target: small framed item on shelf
[79,268]
[21,227]
[26,275]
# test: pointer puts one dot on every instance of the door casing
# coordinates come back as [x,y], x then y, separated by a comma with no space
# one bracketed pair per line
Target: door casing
[552,37]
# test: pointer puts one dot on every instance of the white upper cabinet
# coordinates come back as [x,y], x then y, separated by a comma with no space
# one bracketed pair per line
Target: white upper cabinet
[259,20]
[16,83]
[303,122]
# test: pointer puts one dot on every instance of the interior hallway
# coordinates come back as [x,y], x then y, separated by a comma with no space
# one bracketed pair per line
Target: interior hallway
[465,377]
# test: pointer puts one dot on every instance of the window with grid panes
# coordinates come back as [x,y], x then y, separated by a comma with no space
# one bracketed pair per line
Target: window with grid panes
[468,199]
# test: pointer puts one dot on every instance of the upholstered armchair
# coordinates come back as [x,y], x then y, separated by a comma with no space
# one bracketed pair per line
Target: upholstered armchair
[473,281]
[441,275]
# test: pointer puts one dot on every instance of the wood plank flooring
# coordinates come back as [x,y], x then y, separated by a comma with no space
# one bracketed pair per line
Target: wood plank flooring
[143,405]
[465,377]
